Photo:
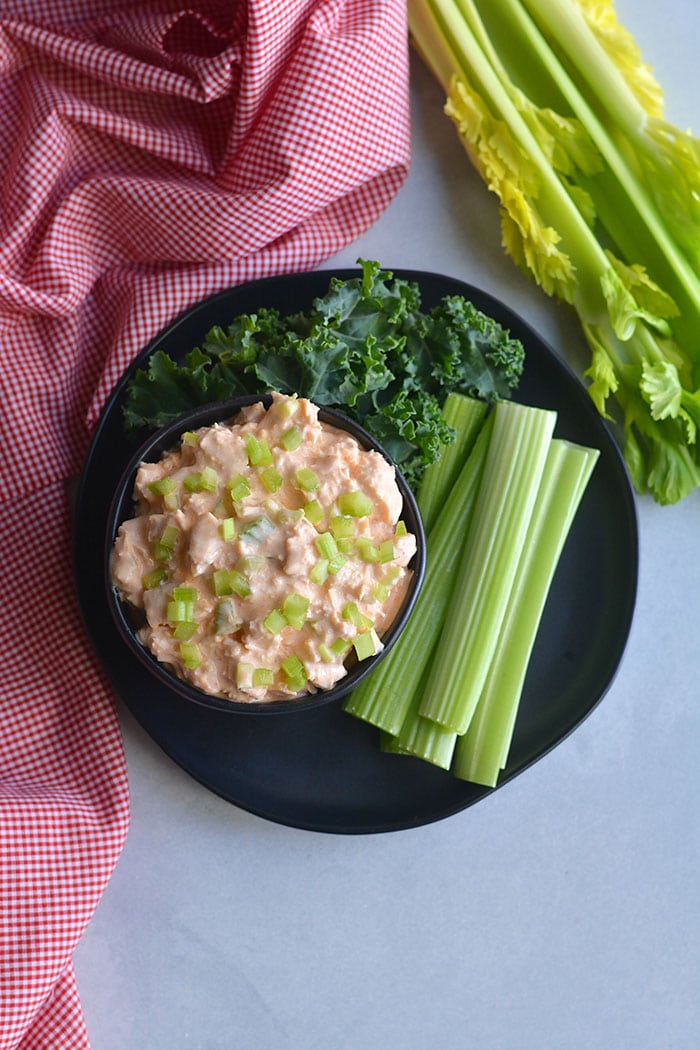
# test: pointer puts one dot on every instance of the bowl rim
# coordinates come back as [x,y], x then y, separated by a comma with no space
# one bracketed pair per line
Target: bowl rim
[153,446]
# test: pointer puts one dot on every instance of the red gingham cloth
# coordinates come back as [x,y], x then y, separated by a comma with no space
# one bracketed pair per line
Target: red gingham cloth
[152,154]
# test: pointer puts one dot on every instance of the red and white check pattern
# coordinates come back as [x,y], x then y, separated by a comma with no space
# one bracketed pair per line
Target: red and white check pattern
[152,154]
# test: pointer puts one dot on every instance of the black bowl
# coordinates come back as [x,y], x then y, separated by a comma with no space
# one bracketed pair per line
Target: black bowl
[124,617]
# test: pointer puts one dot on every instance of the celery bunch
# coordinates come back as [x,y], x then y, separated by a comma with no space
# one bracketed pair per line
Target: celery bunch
[599,198]
[450,688]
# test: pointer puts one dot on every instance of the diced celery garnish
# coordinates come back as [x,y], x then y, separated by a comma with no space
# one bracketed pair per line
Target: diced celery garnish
[190,438]
[259,454]
[313,511]
[208,480]
[342,526]
[355,504]
[336,563]
[367,549]
[326,545]
[401,529]
[192,482]
[230,581]
[154,578]
[190,655]
[319,572]
[179,612]
[339,647]
[257,529]
[184,631]
[225,617]
[238,487]
[244,675]
[306,479]
[325,653]
[185,594]
[271,479]
[292,438]
[366,644]
[263,676]
[294,608]
[385,552]
[162,486]
[275,621]
[228,529]
[294,672]
[164,547]
[352,614]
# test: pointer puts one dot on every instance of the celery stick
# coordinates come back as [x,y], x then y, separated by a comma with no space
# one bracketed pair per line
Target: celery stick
[483,750]
[424,739]
[385,696]
[486,571]
[466,416]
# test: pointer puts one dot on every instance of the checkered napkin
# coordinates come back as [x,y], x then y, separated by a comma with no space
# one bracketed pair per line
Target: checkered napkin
[151,154]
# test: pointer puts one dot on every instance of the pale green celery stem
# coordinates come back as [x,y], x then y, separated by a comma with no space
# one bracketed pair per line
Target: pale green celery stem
[486,571]
[465,415]
[385,696]
[636,202]
[426,741]
[483,750]
[554,203]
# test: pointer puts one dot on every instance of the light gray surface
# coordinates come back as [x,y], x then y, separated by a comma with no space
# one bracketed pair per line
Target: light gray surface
[561,913]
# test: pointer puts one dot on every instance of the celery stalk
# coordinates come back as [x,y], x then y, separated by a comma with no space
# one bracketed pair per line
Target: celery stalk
[482,751]
[385,696]
[486,571]
[465,415]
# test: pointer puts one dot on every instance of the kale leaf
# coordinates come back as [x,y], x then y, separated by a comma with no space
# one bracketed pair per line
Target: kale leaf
[366,347]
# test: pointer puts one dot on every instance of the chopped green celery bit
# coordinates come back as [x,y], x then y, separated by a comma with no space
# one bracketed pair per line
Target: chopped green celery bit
[313,511]
[275,621]
[294,608]
[162,487]
[483,750]
[185,594]
[263,676]
[184,631]
[244,675]
[288,407]
[354,504]
[319,572]
[325,653]
[292,438]
[342,526]
[192,482]
[226,619]
[336,563]
[228,529]
[367,549]
[209,480]
[259,454]
[179,612]
[385,552]
[346,544]
[256,529]
[366,644]
[250,563]
[190,655]
[326,545]
[352,614]
[306,479]
[401,529]
[339,647]
[384,698]
[230,581]
[154,578]
[465,415]
[162,551]
[271,479]
[169,536]
[238,487]
[287,515]
[381,591]
[190,438]
[488,563]
[171,501]
[294,672]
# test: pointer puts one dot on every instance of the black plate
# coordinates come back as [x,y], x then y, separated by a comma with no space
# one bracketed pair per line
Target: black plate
[323,769]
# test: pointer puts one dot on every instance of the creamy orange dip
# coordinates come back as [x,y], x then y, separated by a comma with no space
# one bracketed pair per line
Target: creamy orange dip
[264,553]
